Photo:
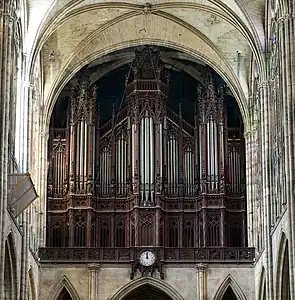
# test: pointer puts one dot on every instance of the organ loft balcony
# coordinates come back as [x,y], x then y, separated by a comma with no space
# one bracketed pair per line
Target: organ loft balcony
[147,157]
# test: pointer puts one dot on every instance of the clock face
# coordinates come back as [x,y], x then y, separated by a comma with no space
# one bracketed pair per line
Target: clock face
[147,258]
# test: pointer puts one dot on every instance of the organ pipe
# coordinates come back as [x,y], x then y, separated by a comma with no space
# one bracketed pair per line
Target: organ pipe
[147,159]
[189,171]
[105,171]
[172,165]
[145,147]
[121,165]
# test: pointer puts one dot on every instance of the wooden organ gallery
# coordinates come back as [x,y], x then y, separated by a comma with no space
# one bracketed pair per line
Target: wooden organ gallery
[147,176]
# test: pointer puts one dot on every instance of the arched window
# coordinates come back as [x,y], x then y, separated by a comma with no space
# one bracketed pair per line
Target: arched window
[285,281]
[64,295]
[10,284]
[229,294]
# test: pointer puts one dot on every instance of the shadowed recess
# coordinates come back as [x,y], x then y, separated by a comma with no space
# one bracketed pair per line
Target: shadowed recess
[147,292]
[229,294]
[64,295]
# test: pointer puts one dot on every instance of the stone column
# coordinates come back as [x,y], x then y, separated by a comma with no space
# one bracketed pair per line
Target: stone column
[287,43]
[266,184]
[250,184]
[7,28]
[202,281]
[93,271]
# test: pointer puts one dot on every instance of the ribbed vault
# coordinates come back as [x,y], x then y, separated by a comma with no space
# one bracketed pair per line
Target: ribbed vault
[226,35]
[147,292]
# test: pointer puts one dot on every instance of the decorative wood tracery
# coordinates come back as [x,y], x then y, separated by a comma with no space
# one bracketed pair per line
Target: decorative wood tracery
[147,177]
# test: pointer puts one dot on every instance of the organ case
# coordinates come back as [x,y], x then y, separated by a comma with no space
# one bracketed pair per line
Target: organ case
[147,176]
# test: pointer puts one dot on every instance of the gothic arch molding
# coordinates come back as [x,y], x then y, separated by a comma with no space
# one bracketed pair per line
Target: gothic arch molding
[239,17]
[262,285]
[159,284]
[282,252]
[64,283]
[10,268]
[31,285]
[72,69]
[229,281]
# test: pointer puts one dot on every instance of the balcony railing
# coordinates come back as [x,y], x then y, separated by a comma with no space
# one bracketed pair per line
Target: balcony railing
[167,255]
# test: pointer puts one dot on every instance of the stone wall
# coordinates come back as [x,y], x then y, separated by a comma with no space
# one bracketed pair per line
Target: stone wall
[182,281]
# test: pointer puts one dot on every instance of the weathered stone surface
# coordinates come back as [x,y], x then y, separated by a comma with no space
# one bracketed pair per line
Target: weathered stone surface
[56,38]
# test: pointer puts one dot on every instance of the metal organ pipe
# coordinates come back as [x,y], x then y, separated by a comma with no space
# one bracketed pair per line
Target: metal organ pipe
[85,160]
[172,165]
[221,153]
[59,167]
[189,171]
[234,170]
[161,150]
[152,157]
[81,155]
[121,167]
[212,154]
[105,174]
[142,155]
[133,154]
[147,159]
[216,167]
[77,155]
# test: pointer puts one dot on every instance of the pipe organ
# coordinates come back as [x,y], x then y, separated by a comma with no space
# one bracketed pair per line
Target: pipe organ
[147,176]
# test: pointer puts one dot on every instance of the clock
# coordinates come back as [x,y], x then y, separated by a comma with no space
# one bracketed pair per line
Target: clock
[147,258]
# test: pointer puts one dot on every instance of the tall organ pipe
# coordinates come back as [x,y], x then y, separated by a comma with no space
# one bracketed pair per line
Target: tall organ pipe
[133,146]
[121,167]
[147,159]
[189,171]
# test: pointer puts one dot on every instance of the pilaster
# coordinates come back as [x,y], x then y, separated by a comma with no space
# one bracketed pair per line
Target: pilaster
[250,173]
[7,54]
[201,281]
[93,273]
[266,183]
[287,69]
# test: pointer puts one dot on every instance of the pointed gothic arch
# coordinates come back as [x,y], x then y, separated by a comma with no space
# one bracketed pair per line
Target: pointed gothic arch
[262,285]
[10,271]
[229,282]
[283,275]
[142,282]
[60,288]
[31,285]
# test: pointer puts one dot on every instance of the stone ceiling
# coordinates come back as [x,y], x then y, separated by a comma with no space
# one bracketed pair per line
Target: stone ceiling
[221,33]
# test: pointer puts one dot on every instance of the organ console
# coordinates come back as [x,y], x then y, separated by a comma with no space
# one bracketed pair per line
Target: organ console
[147,176]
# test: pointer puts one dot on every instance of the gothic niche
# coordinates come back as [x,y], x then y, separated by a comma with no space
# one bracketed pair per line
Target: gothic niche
[147,156]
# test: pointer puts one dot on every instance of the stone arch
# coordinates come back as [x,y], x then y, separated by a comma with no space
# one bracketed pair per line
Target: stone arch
[283,283]
[229,282]
[31,285]
[144,281]
[262,285]
[64,284]
[10,269]
[72,68]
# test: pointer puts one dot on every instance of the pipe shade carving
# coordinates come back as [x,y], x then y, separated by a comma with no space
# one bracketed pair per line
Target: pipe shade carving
[151,174]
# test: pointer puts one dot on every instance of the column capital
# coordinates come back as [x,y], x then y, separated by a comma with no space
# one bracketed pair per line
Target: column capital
[44,135]
[94,267]
[263,84]
[9,8]
[201,267]
[286,17]
[248,134]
